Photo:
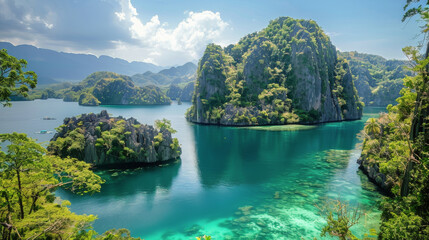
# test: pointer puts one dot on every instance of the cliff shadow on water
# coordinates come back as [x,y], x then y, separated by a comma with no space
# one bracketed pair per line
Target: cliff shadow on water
[230,155]
[123,183]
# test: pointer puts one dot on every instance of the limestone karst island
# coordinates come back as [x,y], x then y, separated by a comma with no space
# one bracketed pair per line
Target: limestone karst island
[221,120]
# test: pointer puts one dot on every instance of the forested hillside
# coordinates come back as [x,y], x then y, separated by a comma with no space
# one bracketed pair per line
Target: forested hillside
[377,80]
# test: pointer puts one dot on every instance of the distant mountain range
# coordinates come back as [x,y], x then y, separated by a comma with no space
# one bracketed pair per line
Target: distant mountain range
[174,75]
[52,66]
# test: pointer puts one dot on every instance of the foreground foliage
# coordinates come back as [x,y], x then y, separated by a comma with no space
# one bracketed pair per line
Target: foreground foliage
[28,178]
[340,217]
[28,208]
[397,145]
[11,75]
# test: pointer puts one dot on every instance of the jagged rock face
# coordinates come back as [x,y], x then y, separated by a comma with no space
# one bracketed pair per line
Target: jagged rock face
[289,72]
[212,84]
[257,61]
[374,174]
[174,91]
[187,92]
[102,140]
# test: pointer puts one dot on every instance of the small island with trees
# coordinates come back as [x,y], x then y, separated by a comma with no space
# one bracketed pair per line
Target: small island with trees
[105,141]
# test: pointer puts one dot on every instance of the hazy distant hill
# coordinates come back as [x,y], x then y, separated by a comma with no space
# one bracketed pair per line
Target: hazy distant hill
[377,80]
[174,75]
[52,66]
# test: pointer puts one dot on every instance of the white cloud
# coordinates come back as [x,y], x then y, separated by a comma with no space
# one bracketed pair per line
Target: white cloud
[120,15]
[113,28]
[31,20]
[188,38]
[196,30]
[145,32]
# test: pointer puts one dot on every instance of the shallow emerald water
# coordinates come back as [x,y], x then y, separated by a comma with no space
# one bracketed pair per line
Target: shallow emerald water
[232,183]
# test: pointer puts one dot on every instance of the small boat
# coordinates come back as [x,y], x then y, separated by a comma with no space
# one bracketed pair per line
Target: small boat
[44,132]
[49,118]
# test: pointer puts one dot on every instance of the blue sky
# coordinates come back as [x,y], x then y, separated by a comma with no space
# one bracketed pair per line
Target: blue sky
[174,32]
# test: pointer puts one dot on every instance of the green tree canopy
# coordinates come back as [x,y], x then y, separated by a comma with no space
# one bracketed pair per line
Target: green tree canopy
[28,177]
[164,124]
[13,79]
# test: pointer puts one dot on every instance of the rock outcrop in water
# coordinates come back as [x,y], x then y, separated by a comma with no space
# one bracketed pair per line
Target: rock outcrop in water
[288,72]
[103,140]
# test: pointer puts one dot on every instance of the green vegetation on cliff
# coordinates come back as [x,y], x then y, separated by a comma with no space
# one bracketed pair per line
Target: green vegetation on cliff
[13,79]
[395,151]
[377,80]
[389,153]
[102,140]
[288,72]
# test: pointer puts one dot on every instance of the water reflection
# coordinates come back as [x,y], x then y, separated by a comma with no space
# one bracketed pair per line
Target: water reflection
[147,181]
[230,156]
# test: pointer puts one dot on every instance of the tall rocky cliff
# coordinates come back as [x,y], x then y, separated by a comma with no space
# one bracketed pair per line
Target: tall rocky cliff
[288,72]
[103,140]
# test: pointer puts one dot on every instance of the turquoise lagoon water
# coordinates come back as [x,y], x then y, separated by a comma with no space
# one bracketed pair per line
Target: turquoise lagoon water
[231,183]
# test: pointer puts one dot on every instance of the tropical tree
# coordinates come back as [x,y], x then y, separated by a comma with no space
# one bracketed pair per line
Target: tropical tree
[13,79]
[28,177]
[340,217]
[419,133]
[164,124]
[372,128]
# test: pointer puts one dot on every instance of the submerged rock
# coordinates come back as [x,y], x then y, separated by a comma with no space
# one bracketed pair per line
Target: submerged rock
[194,230]
[103,140]
[245,210]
